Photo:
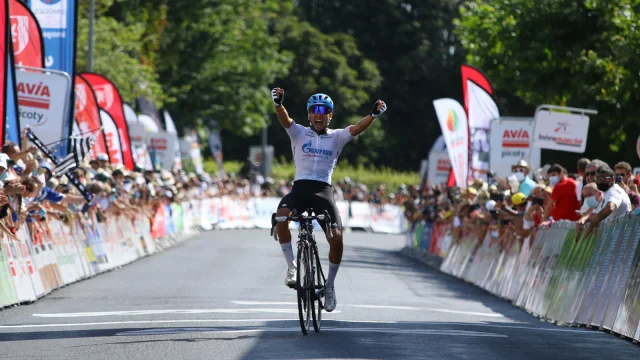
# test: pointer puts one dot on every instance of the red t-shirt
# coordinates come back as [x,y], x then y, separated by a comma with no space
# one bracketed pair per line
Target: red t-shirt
[565,201]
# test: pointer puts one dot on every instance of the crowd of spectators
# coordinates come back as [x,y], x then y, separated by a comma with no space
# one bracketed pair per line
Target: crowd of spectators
[513,207]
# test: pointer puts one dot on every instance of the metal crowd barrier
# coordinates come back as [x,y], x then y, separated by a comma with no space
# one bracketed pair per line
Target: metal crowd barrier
[594,282]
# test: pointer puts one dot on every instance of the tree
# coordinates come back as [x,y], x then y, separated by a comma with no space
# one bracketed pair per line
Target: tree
[580,54]
[117,49]
[413,44]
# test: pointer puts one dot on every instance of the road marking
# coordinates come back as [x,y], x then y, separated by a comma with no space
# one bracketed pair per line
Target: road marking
[396,331]
[390,307]
[195,321]
[174,311]
[133,322]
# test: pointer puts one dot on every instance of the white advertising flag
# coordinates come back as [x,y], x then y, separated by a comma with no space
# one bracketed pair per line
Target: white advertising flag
[482,109]
[41,101]
[561,131]
[113,138]
[510,140]
[439,167]
[453,122]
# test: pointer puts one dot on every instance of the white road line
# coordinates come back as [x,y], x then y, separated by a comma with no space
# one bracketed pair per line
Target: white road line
[133,322]
[171,311]
[396,331]
[195,321]
[390,307]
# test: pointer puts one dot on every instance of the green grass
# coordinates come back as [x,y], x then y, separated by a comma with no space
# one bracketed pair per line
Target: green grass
[369,176]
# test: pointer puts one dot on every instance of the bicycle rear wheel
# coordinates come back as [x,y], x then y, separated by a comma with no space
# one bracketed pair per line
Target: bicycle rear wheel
[318,286]
[303,288]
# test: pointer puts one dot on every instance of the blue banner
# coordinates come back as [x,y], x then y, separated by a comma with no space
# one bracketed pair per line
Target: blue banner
[57,19]
[12,125]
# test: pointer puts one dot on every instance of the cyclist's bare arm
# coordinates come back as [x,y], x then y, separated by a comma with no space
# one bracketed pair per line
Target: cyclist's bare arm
[277,95]
[378,108]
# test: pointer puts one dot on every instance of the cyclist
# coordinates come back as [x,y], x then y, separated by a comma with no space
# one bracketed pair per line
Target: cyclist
[315,154]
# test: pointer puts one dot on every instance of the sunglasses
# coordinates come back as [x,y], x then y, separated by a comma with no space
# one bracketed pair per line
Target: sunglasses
[320,109]
[592,173]
[521,170]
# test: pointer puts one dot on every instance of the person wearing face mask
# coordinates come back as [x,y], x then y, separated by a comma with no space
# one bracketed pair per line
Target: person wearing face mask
[564,201]
[521,173]
[615,200]
[592,197]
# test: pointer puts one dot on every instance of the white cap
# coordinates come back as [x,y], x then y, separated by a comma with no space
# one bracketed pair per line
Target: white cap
[490,205]
[3,160]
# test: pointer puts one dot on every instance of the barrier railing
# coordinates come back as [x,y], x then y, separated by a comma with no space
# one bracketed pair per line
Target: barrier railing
[594,282]
[47,257]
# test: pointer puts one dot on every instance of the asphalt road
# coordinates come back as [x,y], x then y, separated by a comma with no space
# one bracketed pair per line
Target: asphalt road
[221,295]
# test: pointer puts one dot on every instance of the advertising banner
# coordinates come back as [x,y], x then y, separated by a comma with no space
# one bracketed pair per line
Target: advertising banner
[5,71]
[87,116]
[26,36]
[162,147]
[109,100]
[42,100]
[510,142]
[112,138]
[453,122]
[57,18]
[137,134]
[481,109]
[561,131]
[439,167]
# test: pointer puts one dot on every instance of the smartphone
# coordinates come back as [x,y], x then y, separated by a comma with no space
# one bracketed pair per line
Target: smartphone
[618,179]
[538,201]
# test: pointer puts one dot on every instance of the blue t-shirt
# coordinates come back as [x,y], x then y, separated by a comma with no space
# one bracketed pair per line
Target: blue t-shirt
[526,186]
[47,194]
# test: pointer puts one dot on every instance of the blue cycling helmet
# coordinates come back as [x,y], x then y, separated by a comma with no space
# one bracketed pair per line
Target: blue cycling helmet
[320,99]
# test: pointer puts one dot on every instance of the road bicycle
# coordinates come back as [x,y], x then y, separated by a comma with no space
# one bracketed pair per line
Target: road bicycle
[310,279]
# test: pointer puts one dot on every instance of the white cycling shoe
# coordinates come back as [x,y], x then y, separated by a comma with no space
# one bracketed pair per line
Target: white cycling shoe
[290,279]
[330,301]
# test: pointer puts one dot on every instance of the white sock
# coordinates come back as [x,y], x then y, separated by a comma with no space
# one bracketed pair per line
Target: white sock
[333,271]
[287,250]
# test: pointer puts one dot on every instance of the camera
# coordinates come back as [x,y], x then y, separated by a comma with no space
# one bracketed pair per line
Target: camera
[538,201]
[618,179]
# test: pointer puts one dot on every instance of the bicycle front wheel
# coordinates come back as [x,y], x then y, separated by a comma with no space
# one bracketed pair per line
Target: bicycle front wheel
[317,283]
[303,288]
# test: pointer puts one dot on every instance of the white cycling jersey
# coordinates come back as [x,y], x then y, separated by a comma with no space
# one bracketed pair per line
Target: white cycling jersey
[315,156]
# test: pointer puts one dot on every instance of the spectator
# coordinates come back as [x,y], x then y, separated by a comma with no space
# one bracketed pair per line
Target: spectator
[521,172]
[623,174]
[581,181]
[592,197]
[615,200]
[564,201]
[634,197]
[590,170]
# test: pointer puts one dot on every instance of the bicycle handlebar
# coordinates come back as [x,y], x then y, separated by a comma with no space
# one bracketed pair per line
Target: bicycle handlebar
[299,218]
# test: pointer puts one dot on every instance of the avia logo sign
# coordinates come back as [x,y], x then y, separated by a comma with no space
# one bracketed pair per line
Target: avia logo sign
[81,97]
[307,149]
[452,121]
[19,33]
[516,138]
[104,93]
[444,165]
[34,95]
[562,127]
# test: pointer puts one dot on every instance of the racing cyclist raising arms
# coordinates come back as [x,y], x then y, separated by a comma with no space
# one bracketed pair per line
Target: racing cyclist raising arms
[315,154]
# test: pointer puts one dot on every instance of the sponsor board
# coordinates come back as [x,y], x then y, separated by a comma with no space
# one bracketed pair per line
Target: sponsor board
[510,142]
[561,131]
[41,103]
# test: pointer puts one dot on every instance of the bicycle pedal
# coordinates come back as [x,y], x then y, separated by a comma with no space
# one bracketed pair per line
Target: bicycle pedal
[320,293]
[291,286]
